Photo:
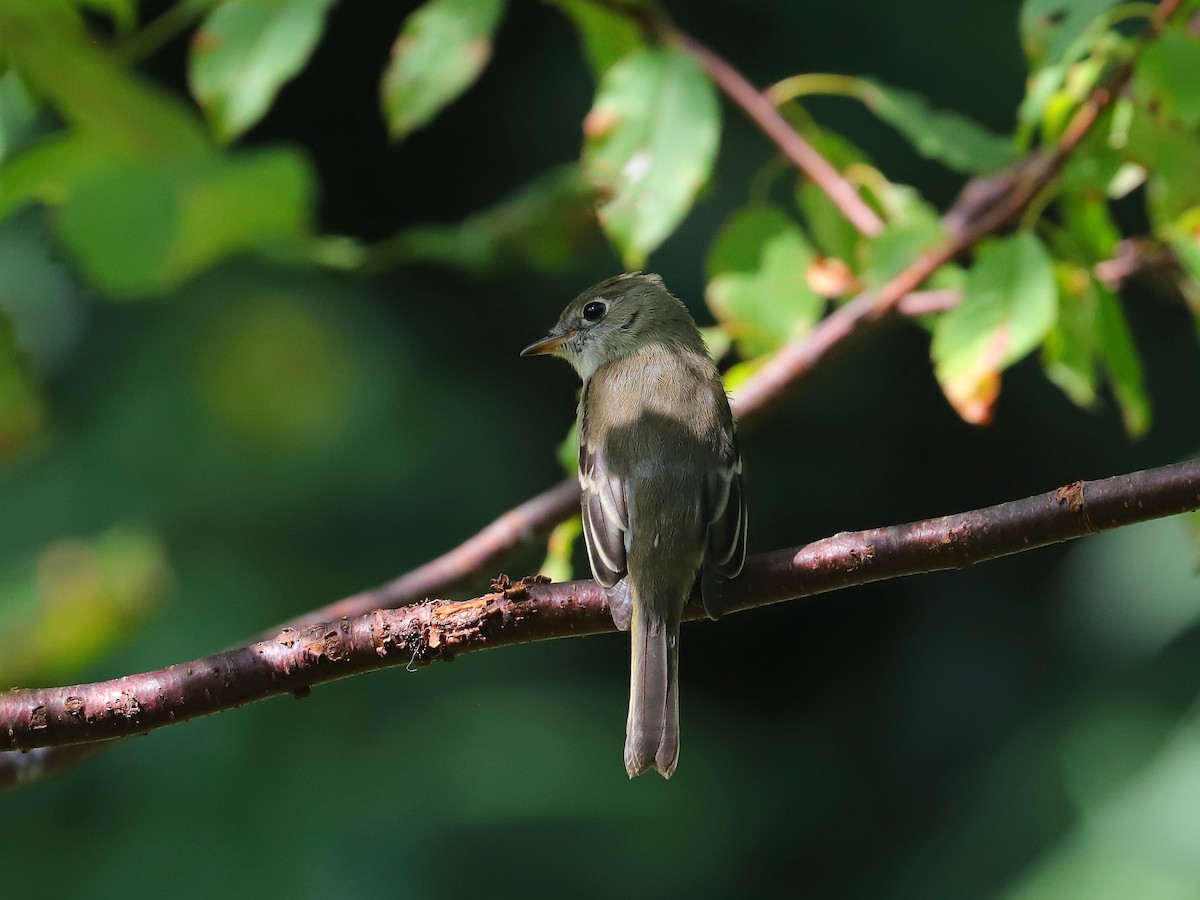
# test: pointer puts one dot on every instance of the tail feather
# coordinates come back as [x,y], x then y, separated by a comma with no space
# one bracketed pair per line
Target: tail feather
[652,730]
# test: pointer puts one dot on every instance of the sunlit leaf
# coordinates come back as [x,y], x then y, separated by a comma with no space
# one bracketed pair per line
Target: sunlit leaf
[1050,27]
[758,281]
[607,34]
[1087,219]
[832,232]
[139,229]
[114,110]
[559,549]
[1069,352]
[78,600]
[1170,154]
[21,413]
[1166,75]
[1124,367]
[245,51]
[568,451]
[1191,521]
[1009,304]
[651,139]
[949,137]
[441,50]
[913,226]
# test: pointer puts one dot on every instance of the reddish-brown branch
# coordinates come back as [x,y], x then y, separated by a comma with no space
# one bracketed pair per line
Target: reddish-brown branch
[530,521]
[967,224]
[763,112]
[986,206]
[294,661]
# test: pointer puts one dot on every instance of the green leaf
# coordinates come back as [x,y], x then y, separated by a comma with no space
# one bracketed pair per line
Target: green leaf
[21,414]
[1184,238]
[568,451]
[1166,74]
[1009,304]
[1191,522]
[830,229]
[77,600]
[949,137]
[913,226]
[1120,358]
[541,226]
[18,113]
[245,51]
[560,548]
[117,112]
[441,50]
[123,13]
[1089,228]
[139,230]
[607,34]
[48,172]
[1050,27]
[758,281]
[1171,156]
[1069,353]
[651,139]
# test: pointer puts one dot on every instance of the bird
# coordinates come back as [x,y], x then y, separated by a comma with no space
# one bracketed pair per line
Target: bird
[661,476]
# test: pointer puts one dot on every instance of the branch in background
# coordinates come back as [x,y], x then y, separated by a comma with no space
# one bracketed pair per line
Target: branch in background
[1136,257]
[293,661]
[763,112]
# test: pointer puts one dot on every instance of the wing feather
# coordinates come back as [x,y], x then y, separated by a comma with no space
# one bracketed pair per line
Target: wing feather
[605,516]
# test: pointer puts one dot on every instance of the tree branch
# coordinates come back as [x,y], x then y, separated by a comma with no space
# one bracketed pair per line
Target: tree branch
[967,224]
[986,205]
[763,112]
[294,661]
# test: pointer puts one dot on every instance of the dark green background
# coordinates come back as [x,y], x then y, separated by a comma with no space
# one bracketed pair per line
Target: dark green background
[1020,729]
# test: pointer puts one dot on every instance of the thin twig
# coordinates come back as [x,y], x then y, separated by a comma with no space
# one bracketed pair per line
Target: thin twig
[294,661]
[759,107]
[985,212]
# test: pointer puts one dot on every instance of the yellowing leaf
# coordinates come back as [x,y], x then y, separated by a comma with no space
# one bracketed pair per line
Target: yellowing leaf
[1010,302]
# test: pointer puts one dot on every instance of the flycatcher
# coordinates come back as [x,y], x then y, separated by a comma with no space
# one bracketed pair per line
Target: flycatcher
[662,483]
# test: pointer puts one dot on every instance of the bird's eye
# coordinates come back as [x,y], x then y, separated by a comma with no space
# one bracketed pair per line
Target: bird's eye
[594,311]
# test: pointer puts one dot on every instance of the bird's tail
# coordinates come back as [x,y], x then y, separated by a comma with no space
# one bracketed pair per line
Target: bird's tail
[652,731]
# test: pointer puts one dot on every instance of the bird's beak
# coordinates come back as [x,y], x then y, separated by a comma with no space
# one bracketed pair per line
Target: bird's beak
[550,345]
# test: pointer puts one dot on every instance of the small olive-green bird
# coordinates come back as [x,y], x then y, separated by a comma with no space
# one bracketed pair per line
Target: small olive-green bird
[662,484]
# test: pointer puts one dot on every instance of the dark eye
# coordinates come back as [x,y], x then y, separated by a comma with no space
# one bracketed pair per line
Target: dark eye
[594,311]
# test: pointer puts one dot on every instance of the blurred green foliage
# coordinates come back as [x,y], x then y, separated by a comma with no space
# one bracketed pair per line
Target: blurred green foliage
[318,389]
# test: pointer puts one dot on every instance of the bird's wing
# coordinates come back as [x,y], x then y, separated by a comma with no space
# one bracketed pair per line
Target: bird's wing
[725,547]
[605,521]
